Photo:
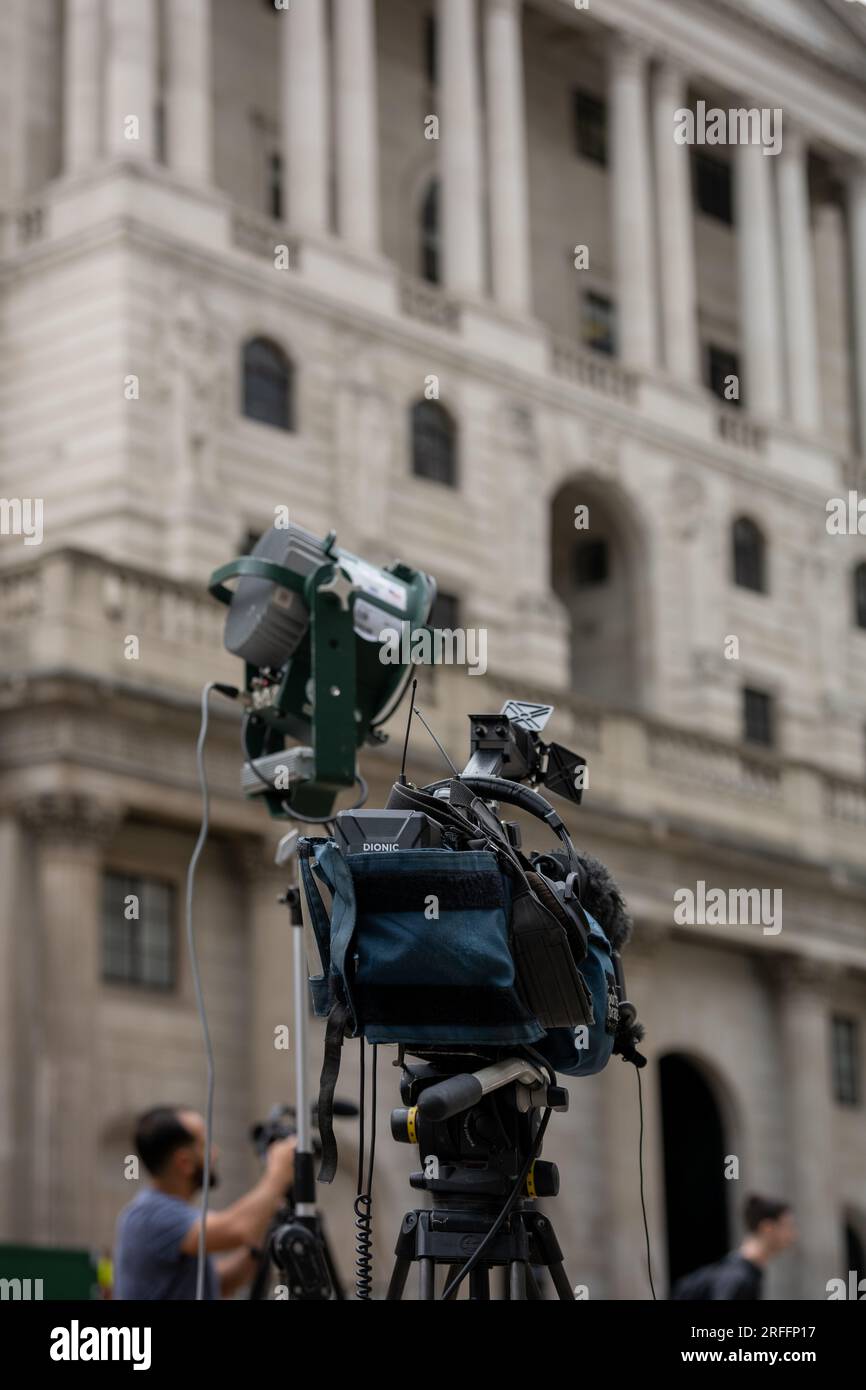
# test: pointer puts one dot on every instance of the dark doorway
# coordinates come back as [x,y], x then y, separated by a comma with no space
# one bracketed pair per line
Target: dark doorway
[694,1156]
[855,1252]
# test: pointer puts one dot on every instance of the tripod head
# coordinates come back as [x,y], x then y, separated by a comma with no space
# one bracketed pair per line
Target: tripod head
[475,1130]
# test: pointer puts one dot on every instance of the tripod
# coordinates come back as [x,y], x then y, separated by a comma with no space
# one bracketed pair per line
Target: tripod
[296,1241]
[302,1254]
[477,1134]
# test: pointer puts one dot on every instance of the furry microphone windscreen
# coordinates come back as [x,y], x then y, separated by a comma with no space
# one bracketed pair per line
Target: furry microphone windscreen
[603,900]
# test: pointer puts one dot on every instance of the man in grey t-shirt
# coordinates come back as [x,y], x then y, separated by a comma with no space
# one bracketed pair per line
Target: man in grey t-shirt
[158,1231]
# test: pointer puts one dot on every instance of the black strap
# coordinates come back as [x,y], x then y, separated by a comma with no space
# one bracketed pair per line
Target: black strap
[334,1033]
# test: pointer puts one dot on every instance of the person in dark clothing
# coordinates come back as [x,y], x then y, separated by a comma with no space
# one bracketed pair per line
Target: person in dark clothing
[739,1276]
[158,1231]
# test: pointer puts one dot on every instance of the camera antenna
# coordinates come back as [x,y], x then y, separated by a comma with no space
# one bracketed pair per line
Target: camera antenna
[436,741]
[402,778]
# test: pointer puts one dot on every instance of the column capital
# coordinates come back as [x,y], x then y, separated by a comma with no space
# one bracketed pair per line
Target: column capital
[672,72]
[795,140]
[851,170]
[70,818]
[629,52]
[792,973]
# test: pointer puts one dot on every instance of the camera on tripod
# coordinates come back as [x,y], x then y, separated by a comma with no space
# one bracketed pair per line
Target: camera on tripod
[426,923]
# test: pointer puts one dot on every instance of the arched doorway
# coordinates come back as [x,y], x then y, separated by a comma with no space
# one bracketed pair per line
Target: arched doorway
[694,1156]
[855,1251]
[597,569]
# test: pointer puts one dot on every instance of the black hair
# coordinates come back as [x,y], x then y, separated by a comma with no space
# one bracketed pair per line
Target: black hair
[758,1209]
[158,1134]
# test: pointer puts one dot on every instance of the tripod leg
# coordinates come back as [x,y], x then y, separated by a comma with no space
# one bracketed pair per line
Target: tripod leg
[399,1275]
[427,1280]
[517,1272]
[551,1256]
[533,1289]
[479,1284]
[560,1282]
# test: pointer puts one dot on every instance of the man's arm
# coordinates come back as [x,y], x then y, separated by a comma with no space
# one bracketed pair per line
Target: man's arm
[246,1220]
[236,1270]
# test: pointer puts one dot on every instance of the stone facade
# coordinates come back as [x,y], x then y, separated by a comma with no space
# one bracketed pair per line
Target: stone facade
[132,273]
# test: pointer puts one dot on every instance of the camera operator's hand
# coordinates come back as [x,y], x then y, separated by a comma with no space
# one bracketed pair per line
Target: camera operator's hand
[280,1162]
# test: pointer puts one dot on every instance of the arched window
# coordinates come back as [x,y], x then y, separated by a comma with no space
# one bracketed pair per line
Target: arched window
[268,384]
[430,247]
[860,595]
[434,443]
[749,556]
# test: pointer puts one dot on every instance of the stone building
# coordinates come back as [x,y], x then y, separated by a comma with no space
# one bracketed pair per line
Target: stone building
[438,274]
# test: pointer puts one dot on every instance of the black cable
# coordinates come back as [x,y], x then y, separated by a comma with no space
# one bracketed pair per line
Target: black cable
[642,1200]
[363,1203]
[231,693]
[516,1191]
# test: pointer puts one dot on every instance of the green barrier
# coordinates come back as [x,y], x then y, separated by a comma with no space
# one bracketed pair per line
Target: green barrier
[34,1272]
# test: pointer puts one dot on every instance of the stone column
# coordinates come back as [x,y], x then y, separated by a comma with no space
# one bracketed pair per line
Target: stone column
[16,83]
[16,1053]
[506,126]
[798,269]
[805,989]
[857,239]
[632,207]
[305,115]
[71,832]
[82,49]
[357,134]
[675,230]
[130,84]
[760,322]
[189,99]
[460,147]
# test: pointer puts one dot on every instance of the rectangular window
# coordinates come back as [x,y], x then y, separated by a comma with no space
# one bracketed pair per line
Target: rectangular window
[599,323]
[720,366]
[714,187]
[431,67]
[275,187]
[138,931]
[590,127]
[845,1048]
[758,718]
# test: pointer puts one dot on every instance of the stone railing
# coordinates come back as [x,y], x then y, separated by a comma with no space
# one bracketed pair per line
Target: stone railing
[713,764]
[739,431]
[72,612]
[845,801]
[420,300]
[77,612]
[261,236]
[594,370]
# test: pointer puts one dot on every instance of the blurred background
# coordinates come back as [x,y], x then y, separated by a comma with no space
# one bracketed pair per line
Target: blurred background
[438,276]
